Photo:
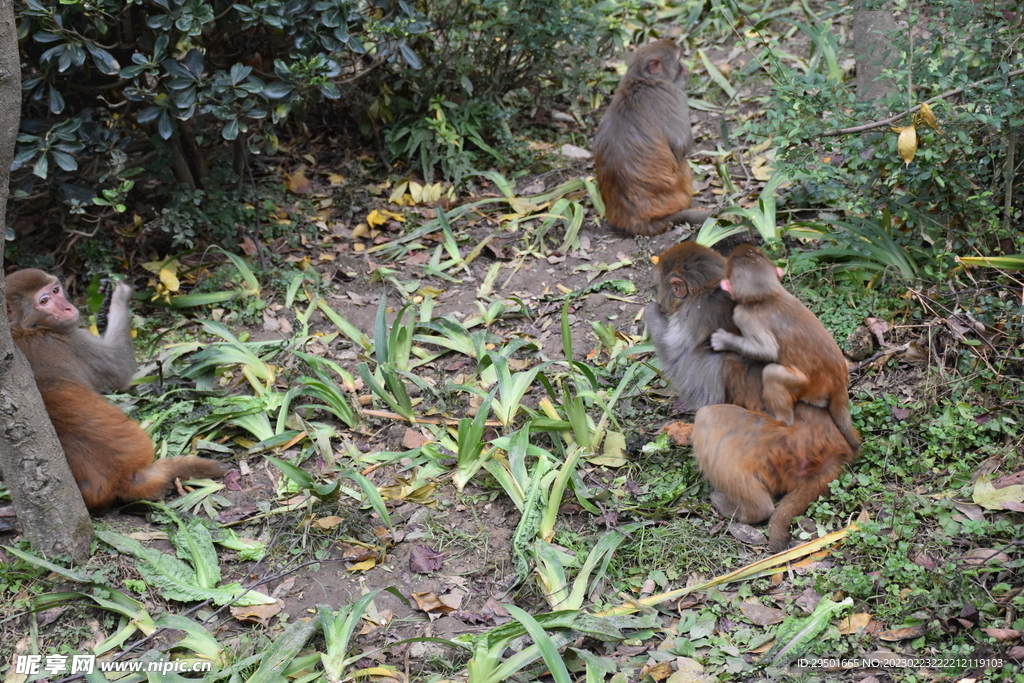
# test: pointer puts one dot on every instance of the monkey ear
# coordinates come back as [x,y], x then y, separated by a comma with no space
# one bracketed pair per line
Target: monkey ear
[655,67]
[10,314]
[679,287]
[780,272]
[726,285]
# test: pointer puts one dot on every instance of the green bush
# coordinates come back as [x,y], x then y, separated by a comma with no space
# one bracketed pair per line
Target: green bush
[955,183]
[485,61]
[117,93]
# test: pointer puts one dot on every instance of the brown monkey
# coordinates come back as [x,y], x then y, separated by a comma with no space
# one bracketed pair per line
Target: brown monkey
[748,457]
[751,459]
[690,307]
[804,361]
[642,144]
[111,457]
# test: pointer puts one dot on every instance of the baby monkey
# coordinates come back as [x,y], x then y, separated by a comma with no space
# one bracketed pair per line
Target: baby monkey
[804,361]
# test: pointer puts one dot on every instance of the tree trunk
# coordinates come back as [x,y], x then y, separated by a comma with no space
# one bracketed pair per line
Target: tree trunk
[50,508]
[871,47]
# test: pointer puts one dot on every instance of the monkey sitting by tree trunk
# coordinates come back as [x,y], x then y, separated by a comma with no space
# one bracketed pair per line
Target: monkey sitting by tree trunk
[111,457]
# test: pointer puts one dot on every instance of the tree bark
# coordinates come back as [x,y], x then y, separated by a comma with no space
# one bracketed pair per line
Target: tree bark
[871,47]
[50,508]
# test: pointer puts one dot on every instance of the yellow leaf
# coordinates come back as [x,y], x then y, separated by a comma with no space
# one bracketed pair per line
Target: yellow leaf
[416,192]
[396,216]
[522,206]
[335,180]
[169,280]
[855,623]
[906,145]
[376,218]
[364,566]
[431,193]
[361,230]
[397,196]
[328,522]
[297,182]
[928,116]
[990,498]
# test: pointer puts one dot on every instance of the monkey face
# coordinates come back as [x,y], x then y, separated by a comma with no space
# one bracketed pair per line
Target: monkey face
[51,303]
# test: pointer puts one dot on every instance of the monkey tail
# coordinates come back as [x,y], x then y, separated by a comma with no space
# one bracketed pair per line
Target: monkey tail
[840,412]
[794,503]
[152,482]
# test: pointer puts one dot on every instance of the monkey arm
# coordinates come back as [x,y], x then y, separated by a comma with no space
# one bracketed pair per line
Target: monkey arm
[111,357]
[694,372]
[656,321]
[757,345]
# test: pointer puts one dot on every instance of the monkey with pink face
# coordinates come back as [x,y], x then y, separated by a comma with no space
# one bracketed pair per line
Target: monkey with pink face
[111,457]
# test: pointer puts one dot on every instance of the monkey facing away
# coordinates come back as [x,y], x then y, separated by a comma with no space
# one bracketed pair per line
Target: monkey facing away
[110,456]
[642,144]
[748,457]
[804,361]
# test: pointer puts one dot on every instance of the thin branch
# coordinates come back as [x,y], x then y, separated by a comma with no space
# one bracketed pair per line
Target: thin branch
[892,119]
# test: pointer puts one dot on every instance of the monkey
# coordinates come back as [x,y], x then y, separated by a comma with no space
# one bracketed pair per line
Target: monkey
[110,455]
[804,361]
[748,457]
[642,144]
[751,458]
[690,307]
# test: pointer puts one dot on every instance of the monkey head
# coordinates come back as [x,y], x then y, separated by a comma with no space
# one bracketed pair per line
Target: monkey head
[36,299]
[686,270]
[658,61]
[750,276]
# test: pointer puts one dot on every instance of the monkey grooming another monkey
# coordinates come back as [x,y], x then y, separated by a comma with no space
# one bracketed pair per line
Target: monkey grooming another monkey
[642,144]
[804,361]
[748,457]
[110,456]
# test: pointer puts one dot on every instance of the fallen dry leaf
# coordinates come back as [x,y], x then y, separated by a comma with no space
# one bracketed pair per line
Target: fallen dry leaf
[258,614]
[431,604]
[855,623]
[297,182]
[760,615]
[424,560]
[328,522]
[905,633]
[413,439]
[248,247]
[980,556]
[747,534]
[1002,634]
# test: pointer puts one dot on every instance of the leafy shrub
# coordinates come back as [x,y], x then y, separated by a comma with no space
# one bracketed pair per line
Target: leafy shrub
[107,82]
[116,92]
[483,62]
[956,178]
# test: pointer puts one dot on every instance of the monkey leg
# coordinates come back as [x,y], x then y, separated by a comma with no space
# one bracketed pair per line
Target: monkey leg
[751,509]
[839,409]
[795,503]
[728,442]
[152,482]
[782,387]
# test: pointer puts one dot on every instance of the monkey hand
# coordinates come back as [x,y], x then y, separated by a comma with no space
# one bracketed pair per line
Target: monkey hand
[720,340]
[122,294]
[655,319]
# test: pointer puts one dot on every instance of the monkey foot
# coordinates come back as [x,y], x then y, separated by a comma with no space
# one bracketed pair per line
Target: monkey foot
[679,432]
